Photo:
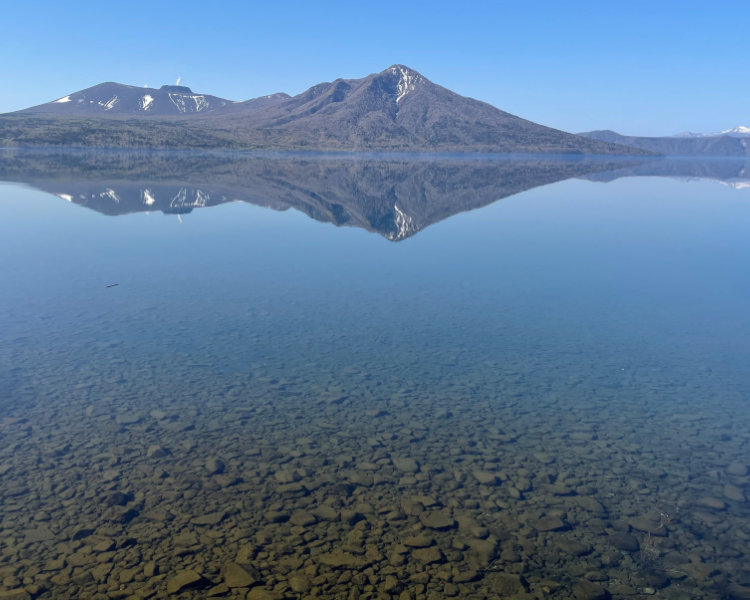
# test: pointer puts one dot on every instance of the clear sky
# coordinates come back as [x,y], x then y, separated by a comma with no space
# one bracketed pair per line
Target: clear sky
[653,67]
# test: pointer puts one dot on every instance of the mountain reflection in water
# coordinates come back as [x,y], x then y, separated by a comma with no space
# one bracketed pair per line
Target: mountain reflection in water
[393,195]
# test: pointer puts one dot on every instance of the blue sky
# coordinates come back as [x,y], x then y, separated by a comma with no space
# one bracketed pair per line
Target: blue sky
[648,68]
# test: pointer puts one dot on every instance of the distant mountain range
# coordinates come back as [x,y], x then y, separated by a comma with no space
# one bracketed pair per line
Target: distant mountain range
[732,142]
[397,109]
[740,131]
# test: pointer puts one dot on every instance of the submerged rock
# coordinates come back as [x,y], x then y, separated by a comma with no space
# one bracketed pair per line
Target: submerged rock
[588,590]
[550,524]
[215,466]
[341,560]
[624,541]
[428,556]
[712,503]
[405,464]
[236,576]
[209,519]
[183,580]
[506,584]
[437,520]
[17,594]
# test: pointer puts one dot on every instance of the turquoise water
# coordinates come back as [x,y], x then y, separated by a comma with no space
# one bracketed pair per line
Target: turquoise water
[583,343]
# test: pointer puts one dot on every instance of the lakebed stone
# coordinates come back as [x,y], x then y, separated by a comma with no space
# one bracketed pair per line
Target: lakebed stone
[589,590]
[240,576]
[183,580]
[624,541]
[405,464]
[550,524]
[437,520]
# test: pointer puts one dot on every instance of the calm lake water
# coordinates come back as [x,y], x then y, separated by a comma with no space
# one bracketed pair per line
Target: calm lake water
[493,378]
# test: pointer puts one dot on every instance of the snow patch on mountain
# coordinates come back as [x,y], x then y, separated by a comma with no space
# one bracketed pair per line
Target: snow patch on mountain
[109,104]
[404,225]
[111,194]
[183,104]
[406,82]
[146,101]
[739,130]
[200,103]
[63,100]
[738,185]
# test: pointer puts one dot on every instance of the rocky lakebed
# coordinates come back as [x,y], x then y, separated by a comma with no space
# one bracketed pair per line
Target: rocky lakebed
[262,488]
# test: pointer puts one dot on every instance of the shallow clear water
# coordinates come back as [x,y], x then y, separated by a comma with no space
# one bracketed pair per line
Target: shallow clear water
[543,397]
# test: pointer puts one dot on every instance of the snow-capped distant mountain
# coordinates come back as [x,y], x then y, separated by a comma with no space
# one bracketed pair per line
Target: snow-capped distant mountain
[117,99]
[740,131]
[680,145]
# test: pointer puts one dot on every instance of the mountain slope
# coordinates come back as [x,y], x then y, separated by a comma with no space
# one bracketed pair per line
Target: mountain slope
[717,145]
[109,99]
[395,110]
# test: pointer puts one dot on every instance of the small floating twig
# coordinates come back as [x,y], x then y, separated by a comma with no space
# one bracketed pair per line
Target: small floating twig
[113,285]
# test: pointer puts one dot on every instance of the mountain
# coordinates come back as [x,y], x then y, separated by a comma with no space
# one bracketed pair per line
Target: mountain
[724,145]
[394,197]
[397,109]
[110,99]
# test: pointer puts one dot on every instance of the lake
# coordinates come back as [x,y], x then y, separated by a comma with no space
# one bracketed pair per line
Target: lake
[382,376]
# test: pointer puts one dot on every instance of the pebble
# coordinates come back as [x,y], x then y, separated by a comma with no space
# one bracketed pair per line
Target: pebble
[737,468]
[710,502]
[589,590]
[128,419]
[157,451]
[209,519]
[550,524]
[486,477]
[183,580]
[647,525]
[422,540]
[299,583]
[303,518]
[405,464]
[506,584]
[429,555]
[624,541]
[236,576]
[215,466]
[18,594]
[482,551]
[437,520]
[734,493]
[263,594]
[341,560]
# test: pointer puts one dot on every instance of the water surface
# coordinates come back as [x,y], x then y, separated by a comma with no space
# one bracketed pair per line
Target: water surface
[495,378]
